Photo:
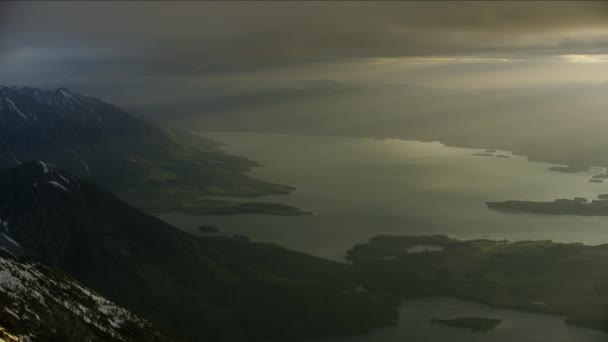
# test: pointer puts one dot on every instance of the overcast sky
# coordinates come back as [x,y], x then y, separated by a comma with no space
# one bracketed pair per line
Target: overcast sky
[134,52]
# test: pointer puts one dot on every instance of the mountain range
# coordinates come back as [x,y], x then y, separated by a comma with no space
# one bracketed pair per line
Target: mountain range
[558,123]
[63,235]
[200,288]
[155,169]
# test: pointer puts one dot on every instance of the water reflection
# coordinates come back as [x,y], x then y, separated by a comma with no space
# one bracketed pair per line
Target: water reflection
[360,187]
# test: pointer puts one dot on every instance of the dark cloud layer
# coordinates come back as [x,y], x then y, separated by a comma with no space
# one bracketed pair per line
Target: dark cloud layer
[118,43]
[267,32]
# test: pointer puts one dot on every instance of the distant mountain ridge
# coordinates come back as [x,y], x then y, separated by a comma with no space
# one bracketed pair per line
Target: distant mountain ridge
[554,123]
[33,119]
[154,168]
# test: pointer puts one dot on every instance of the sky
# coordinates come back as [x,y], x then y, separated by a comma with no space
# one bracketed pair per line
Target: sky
[138,53]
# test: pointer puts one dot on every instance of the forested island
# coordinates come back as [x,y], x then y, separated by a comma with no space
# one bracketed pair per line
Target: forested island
[562,206]
[222,207]
[491,153]
[471,323]
[540,276]
[569,168]
[208,229]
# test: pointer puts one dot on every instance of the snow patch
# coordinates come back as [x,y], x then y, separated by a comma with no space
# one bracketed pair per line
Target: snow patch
[58,185]
[10,240]
[67,181]
[45,167]
[2,248]
[12,313]
[31,290]
[66,94]
[12,104]
[86,166]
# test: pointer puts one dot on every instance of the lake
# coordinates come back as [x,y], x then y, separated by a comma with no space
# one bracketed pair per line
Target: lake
[359,187]
[415,326]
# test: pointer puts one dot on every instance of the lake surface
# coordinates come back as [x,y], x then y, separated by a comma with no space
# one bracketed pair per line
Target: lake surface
[415,325]
[425,248]
[359,188]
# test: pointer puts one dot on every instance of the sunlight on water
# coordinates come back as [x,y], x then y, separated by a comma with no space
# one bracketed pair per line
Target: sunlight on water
[360,187]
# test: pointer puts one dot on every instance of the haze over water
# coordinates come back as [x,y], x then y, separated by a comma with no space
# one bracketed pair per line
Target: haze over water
[361,187]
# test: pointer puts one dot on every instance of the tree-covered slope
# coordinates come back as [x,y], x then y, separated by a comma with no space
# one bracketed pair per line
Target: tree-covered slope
[214,288]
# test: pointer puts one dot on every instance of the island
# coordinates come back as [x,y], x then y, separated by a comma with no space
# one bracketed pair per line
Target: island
[220,207]
[569,168]
[563,206]
[595,180]
[568,279]
[491,153]
[242,238]
[208,229]
[472,323]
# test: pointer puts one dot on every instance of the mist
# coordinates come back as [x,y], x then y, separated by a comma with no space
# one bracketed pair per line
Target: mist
[304,171]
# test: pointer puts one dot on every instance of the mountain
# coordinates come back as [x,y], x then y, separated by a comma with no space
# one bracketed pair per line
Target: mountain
[153,168]
[559,124]
[34,119]
[199,288]
[42,304]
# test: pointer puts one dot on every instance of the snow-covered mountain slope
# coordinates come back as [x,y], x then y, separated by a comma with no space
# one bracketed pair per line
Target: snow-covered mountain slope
[64,126]
[36,119]
[39,303]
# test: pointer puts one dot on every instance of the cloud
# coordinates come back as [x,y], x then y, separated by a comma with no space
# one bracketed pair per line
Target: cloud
[270,32]
[190,46]
[586,58]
